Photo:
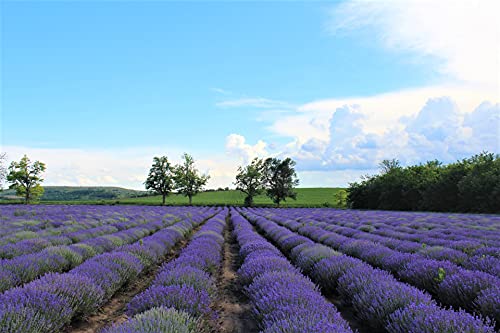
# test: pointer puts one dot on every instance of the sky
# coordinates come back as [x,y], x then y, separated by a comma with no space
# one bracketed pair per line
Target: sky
[95,89]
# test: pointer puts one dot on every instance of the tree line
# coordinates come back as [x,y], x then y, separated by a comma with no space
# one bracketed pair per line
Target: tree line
[274,176]
[468,185]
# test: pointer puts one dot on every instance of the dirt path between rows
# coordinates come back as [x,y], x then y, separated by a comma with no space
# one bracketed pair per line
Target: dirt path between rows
[114,310]
[232,305]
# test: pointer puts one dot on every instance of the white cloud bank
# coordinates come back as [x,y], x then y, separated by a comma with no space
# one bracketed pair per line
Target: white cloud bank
[117,167]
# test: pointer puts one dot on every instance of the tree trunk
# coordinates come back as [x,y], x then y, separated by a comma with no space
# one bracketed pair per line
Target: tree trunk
[190,200]
[163,200]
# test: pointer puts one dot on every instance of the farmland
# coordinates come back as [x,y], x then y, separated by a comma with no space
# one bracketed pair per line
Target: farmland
[139,268]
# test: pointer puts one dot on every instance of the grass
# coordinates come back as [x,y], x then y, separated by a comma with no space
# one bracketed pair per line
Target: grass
[306,197]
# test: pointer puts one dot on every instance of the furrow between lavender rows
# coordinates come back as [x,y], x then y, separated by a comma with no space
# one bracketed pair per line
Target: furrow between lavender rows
[378,299]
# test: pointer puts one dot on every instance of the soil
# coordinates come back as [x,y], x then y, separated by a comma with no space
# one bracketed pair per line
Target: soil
[114,310]
[233,307]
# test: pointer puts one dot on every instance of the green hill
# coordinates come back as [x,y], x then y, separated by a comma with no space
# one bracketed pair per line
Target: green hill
[78,193]
[319,196]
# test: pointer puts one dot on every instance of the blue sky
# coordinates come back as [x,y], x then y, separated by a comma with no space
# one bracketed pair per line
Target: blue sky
[226,81]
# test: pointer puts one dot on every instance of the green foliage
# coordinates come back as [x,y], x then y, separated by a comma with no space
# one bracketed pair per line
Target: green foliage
[280,179]
[250,180]
[187,180]
[469,185]
[161,177]
[24,177]
[340,198]
[441,275]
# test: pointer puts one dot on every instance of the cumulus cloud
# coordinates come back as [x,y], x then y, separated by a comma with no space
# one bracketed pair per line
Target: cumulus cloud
[440,130]
[236,146]
[464,36]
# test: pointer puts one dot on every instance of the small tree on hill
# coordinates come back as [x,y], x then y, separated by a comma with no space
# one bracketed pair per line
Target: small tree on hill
[161,177]
[249,180]
[25,178]
[187,180]
[280,179]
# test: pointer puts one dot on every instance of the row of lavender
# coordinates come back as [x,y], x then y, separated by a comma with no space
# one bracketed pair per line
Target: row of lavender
[283,299]
[377,297]
[49,303]
[475,291]
[180,297]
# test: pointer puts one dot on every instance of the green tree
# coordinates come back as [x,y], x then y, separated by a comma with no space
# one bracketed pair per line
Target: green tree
[3,169]
[25,178]
[249,180]
[341,197]
[187,180]
[161,177]
[280,179]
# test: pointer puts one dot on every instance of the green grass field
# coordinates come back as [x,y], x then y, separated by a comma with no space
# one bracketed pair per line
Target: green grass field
[305,197]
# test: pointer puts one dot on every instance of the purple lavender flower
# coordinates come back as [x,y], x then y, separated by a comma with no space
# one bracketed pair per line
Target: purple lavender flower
[185,298]
[432,319]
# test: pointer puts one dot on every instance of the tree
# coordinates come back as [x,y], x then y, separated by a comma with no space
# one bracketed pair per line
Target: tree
[341,197]
[249,180]
[280,179]
[25,178]
[161,177]
[188,181]
[3,169]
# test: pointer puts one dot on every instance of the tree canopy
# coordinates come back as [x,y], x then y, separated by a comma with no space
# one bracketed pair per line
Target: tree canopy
[188,181]
[468,185]
[24,177]
[280,179]
[250,180]
[161,177]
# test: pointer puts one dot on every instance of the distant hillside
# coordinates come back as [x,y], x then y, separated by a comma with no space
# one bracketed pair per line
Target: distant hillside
[80,193]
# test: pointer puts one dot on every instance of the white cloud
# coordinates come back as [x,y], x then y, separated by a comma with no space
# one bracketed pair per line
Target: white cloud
[440,130]
[463,35]
[237,147]
[254,102]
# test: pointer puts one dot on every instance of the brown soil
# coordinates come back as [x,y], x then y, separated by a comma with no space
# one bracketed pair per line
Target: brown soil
[232,305]
[347,312]
[114,310]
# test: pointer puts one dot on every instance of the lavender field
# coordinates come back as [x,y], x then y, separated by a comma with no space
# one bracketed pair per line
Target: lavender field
[116,269]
